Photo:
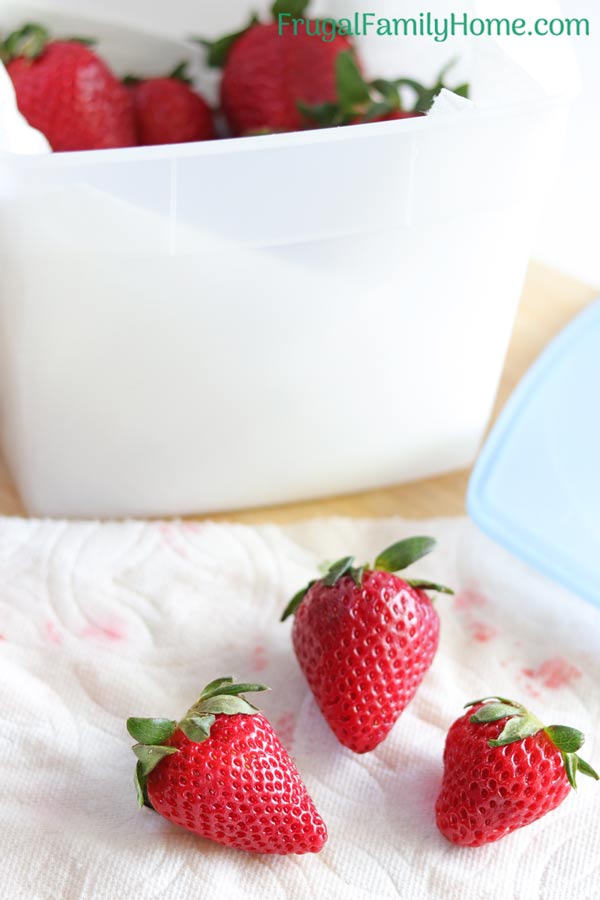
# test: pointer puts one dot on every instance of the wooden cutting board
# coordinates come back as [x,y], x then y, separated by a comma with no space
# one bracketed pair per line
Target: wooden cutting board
[549,301]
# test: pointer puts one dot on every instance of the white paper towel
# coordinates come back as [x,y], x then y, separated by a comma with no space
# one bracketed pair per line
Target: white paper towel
[103,621]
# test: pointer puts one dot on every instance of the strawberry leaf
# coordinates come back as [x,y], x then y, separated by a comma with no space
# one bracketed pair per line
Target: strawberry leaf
[322,114]
[180,73]
[222,696]
[209,690]
[149,757]
[337,571]
[295,8]
[352,89]
[84,41]
[230,706]
[389,92]
[139,781]
[357,575]
[493,712]
[522,724]
[570,761]
[378,111]
[574,764]
[296,601]
[462,90]
[234,689]
[429,586]
[424,96]
[151,731]
[197,728]
[501,699]
[29,41]
[585,769]
[403,554]
[517,729]
[569,740]
[218,50]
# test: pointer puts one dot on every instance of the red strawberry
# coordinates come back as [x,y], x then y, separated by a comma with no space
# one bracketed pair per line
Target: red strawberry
[268,72]
[358,101]
[169,111]
[68,93]
[502,770]
[222,773]
[364,639]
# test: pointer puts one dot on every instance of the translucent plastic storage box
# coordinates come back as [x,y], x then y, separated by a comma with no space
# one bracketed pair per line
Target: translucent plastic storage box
[242,322]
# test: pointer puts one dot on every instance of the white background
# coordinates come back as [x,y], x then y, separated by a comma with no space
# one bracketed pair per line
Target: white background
[569,236]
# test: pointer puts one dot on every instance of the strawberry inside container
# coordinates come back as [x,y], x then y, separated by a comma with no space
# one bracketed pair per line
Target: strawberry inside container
[247,321]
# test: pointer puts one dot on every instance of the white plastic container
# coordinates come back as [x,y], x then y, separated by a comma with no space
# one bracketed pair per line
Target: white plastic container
[245,322]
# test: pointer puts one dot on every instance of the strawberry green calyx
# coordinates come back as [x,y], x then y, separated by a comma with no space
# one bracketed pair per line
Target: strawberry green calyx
[404,553]
[29,41]
[423,95]
[179,73]
[359,100]
[293,8]
[399,556]
[353,96]
[218,50]
[420,584]
[221,697]
[522,724]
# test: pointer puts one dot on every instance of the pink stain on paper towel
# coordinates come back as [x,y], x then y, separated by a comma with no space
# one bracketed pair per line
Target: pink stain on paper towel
[52,633]
[469,599]
[482,632]
[103,632]
[554,673]
[259,660]
[172,540]
[468,603]
[192,527]
[284,726]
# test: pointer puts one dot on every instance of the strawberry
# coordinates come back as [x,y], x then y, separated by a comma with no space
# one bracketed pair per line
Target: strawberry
[364,639]
[359,101]
[267,73]
[503,769]
[169,111]
[222,773]
[67,92]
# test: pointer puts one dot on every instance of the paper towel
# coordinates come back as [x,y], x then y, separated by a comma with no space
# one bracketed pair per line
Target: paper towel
[102,621]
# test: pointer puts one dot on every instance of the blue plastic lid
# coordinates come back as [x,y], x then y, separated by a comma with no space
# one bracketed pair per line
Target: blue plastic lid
[536,486]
